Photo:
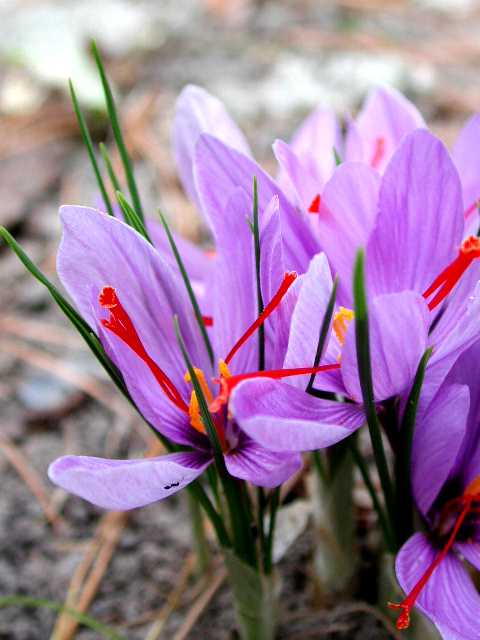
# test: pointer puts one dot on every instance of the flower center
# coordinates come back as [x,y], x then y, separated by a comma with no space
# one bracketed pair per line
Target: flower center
[378,152]
[463,505]
[446,281]
[341,320]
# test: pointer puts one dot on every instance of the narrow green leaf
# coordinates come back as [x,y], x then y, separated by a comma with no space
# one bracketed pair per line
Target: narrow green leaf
[336,155]
[29,602]
[188,286]
[87,139]
[78,322]
[110,170]
[240,524]
[131,217]
[324,331]
[256,235]
[365,373]
[404,454]
[117,133]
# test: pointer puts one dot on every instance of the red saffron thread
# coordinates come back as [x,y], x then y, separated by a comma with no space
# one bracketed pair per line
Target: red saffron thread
[378,152]
[448,278]
[122,326]
[315,204]
[288,280]
[406,606]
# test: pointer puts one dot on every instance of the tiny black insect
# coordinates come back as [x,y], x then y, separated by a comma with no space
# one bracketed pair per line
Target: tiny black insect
[170,486]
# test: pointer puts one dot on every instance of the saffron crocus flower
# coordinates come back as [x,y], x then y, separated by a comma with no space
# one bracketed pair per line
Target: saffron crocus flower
[129,295]
[415,262]
[432,566]
[307,163]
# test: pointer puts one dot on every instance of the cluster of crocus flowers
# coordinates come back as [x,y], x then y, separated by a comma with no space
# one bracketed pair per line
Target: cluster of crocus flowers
[246,385]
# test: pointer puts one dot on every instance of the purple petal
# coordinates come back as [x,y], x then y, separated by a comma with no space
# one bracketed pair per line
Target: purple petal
[307,318]
[449,598]
[234,295]
[465,157]
[398,326]
[449,345]
[438,438]
[389,116]
[282,418]
[97,251]
[219,169]
[304,182]
[420,223]
[199,112]
[315,140]
[126,484]
[346,219]
[252,462]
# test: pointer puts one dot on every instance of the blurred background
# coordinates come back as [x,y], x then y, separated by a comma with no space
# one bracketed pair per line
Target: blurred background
[270,62]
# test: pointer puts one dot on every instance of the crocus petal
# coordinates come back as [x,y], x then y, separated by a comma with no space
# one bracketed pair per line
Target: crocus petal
[151,294]
[398,326]
[197,112]
[305,183]
[465,155]
[252,462]
[218,170]
[420,222]
[307,318]
[387,117]
[462,335]
[438,438]
[197,261]
[282,418]
[316,138]
[347,216]
[125,484]
[449,598]
[234,295]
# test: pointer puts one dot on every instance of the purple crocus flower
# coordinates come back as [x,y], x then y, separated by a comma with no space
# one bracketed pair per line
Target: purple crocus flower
[307,163]
[431,566]
[129,294]
[415,259]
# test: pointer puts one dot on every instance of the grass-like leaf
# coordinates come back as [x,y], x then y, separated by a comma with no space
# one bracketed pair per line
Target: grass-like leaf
[110,170]
[404,454]
[256,238]
[77,321]
[117,134]
[131,217]
[30,602]
[87,139]
[188,286]
[365,373]
[324,331]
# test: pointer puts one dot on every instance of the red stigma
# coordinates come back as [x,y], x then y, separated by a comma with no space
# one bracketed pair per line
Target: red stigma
[406,606]
[207,321]
[121,325]
[288,280]
[446,281]
[378,152]
[278,374]
[315,204]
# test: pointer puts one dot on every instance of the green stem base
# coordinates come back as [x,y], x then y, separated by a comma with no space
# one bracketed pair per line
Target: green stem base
[255,599]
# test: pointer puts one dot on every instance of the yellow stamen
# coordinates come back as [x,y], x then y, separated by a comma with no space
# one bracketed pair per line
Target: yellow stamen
[473,488]
[223,369]
[341,320]
[194,408]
